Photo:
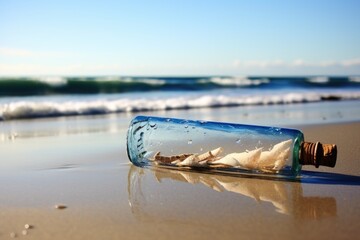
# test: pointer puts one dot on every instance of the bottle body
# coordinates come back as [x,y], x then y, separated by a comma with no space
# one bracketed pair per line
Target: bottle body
[214,146]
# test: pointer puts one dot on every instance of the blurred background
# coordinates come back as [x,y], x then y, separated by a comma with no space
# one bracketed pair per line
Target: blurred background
[63,58]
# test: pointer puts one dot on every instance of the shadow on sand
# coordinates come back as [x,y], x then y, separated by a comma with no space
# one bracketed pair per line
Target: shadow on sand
[312,177]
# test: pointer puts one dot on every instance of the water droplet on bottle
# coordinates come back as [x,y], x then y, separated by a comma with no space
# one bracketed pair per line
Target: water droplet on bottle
[190,141]
[186,126]
[168,120]
[238,140]
[201,149]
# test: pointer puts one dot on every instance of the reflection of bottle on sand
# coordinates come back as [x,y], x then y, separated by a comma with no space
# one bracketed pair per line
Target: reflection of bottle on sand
[286,197]
[223,147]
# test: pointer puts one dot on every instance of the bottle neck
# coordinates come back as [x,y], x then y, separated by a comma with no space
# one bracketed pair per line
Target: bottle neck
[318,154]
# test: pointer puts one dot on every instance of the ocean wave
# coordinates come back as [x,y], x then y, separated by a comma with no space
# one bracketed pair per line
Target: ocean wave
[40,86]
[38,109]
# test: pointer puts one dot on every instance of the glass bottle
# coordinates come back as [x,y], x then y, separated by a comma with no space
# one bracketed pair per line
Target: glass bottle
[219,147]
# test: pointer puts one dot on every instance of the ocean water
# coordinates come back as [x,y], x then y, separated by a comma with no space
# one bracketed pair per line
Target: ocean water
[39,97]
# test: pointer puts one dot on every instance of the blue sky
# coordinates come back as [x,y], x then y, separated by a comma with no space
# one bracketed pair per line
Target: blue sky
[184,37]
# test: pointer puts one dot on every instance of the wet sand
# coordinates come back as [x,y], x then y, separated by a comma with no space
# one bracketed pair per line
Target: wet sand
[82,164]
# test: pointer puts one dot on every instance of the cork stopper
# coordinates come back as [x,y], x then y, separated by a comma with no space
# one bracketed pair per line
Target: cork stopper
[318,154]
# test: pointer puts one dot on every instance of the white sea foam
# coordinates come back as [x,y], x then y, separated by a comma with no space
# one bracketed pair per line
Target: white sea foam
[149,81]
[34,109]
[52,80]
[237,81]
[355,79]
[319,80]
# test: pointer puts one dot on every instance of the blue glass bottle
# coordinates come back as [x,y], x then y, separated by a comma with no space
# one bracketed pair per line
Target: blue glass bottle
[219,147]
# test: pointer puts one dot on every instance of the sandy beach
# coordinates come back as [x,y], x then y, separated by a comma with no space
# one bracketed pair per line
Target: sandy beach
[81,164]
